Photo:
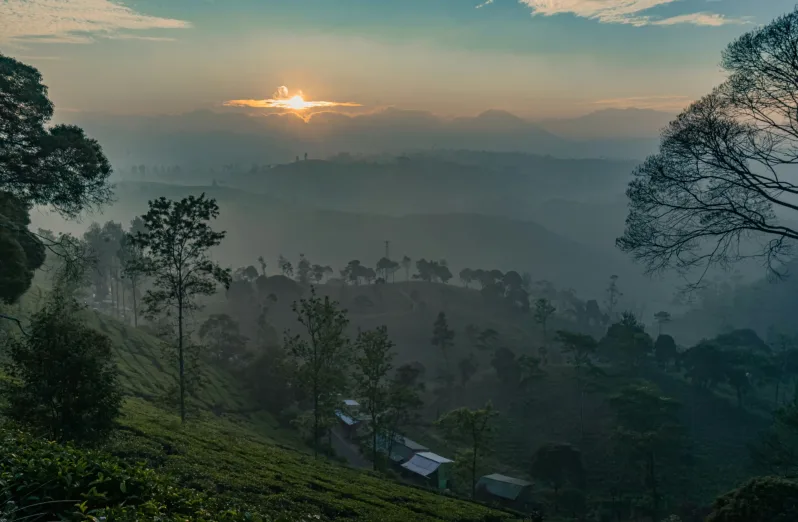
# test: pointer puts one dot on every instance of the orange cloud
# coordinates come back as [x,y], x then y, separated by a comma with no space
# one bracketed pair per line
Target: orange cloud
[281,99]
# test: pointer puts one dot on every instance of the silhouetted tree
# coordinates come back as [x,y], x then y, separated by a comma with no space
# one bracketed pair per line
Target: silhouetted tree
[174,245]
[322,356]
[406,263]
[473,428]
[59,167]
[558,464]
[373,360]
[543,311]
[579,349]
[717,180]
[223,337]
[66,379]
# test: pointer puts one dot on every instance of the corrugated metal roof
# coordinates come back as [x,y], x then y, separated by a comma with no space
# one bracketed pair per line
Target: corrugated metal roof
[351,402]
[422,466]
[503,486]
[413,445]
[349,421]
[434,457]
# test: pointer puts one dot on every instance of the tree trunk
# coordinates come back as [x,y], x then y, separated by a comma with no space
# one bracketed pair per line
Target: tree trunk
[124,308]
[135,310]
[654,489]
[181,362]
[315,421]
[474,474]
[374,442]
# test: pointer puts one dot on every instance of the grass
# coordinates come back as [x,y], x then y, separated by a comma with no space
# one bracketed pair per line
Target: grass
[238,455]
[228,458]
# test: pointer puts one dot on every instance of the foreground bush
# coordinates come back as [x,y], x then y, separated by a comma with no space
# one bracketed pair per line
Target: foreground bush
[47,481]
[763,499]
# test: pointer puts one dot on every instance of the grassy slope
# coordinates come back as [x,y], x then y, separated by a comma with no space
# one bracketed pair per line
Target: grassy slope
[229,448]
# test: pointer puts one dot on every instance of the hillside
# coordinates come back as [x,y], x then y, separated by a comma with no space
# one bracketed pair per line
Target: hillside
[548,410]
[234,451]
[266,226]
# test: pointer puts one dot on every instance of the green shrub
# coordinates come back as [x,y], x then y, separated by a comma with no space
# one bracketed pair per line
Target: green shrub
[763,499]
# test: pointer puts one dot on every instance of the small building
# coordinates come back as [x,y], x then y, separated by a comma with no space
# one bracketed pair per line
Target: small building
[431,468]
[510,491]
[402,448]
[348,424]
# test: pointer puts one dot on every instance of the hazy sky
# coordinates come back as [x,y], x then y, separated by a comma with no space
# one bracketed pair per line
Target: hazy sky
[453,57]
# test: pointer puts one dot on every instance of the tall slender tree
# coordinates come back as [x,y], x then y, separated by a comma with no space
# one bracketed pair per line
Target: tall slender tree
[175,246]
[322,356]
[373,360]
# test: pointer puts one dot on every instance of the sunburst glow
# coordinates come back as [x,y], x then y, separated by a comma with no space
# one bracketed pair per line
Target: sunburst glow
[281,100]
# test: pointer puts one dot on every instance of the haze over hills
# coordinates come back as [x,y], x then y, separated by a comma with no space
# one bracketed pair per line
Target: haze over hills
[207,137]
[629,123]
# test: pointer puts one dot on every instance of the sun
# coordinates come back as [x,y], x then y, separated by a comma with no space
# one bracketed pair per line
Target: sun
[297,102]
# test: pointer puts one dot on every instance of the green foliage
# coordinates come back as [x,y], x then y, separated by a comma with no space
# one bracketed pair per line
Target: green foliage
[648,432]
[763,499]
[322,356]
[65,380]
[45,480]
[558,465]
[472,428]
[372,362]
[223,337]
[777,451]
[175,244]
[628,342]
[58,167]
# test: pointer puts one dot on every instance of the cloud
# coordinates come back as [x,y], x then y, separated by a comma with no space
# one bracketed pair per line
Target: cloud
[73,21]
[628,12]
[281,99]
[709,19]
[673,103]
[486,2]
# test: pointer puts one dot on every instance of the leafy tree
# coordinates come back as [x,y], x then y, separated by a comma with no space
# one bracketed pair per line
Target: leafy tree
[613,295]
[59,167]
[131,255]
[506,366]
[406,263]
[579,350]
[286,268]
[467,367]
[649,433]
[473,428]
[662,319]
[558,464]
[65,382]
[322,356]
[543,311]
[373,360]
[466,276]
[488,340]
[628,340]
[175,245]
[405,401]
[761,499]
[443,336]
[776,453]
[717,180]
[665,350]
[262,263]
[303,270]
[22,253]
[223,337]
[320,272]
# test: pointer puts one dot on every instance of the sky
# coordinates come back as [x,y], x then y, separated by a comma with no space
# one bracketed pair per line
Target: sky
[536,58]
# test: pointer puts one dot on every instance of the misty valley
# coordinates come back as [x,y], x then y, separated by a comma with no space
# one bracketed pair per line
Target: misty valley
[326,306]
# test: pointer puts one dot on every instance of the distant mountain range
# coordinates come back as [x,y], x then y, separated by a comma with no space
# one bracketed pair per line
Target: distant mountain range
[620,124]
[215,138]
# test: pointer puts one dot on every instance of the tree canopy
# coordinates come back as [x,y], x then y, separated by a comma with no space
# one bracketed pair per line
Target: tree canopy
[721,184]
